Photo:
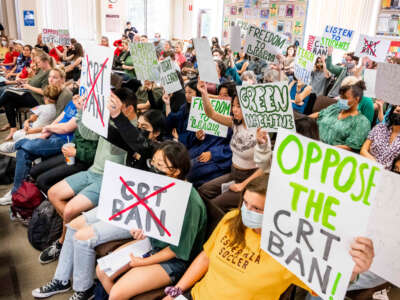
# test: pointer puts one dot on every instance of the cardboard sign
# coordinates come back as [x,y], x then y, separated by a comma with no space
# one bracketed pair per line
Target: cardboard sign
[374,48]
[319,199]
[304,65]
[169,79]
[95,87]
[337,37]
[236,44]
[387,86]
[267,106]
[264,44]
[56,36]
[370,81]
[199,121]
[132,198]
[206,64]
[145,61]
[314,45]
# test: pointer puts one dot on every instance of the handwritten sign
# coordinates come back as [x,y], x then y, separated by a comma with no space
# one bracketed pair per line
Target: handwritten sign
[95,87]
[314,45]
[145,61]
[199,121]
[337,37]
[314,193]
[205,61]
[374,48]
[169,79]
[264,44]
[267,106]
[135,199]
[304,65]
[387,85]
[56,36]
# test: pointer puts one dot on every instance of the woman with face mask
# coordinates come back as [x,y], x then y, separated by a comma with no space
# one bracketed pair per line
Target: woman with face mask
[383,141]
[242,144]
[319,77]
[232,262]
[342,124]
[4,49]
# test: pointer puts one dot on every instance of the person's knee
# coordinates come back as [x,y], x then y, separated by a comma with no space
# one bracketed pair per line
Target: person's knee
[85,234]
[78,223]
[69,213]
[117,293]
[53,194]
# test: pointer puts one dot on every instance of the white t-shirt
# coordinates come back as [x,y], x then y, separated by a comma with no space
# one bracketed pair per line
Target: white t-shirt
[46,114]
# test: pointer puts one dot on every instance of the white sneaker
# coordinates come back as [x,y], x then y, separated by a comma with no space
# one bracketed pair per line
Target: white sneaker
[6,199]
[7,147]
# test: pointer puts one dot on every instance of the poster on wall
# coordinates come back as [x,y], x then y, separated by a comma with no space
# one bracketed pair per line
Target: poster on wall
[29,18]
[113,23]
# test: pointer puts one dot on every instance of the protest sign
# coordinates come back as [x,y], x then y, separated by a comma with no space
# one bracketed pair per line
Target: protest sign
[135,199]
[304,65]
[336,37]
[266,106]
[169,79]
[386,239]
[314,45]
[95,87]
[387,86]
[314,193]
[264,44]
[199,121]
[206,64]
[145,61]
[56,36]
[236,44]
[375,48]
[370,80]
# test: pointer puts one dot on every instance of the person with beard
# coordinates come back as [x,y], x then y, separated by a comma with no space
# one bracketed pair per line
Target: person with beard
[242,144]
[383,141]
[319,77]
[342,124]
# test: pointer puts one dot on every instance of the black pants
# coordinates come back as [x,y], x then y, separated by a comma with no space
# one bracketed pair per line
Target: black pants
[12,102]
[52,170]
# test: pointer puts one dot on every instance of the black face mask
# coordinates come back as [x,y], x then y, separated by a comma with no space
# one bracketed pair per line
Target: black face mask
[144,132]
[237,122]
[395,119]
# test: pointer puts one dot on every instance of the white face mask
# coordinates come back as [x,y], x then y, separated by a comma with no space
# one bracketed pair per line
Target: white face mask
[250,218]
[3,43]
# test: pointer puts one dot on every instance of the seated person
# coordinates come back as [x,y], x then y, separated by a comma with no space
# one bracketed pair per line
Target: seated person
[10,57]
[342,124]
[383,141]
[213,276]
[42,115]
[122,56]
[211,155]
[299,94]
[167,263]
[23,60]
[143,97]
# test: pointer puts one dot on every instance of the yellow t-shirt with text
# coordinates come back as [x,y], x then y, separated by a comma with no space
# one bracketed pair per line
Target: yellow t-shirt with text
[237,273]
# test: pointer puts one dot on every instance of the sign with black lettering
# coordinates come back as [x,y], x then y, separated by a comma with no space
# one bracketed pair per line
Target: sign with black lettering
[375,48]
[169,78]
[135,199]
[56,36]
[267,106]
[264,44]
[319,199]
[314,45]
[95,87]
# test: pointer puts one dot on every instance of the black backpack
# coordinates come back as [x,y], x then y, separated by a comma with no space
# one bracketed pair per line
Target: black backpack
[45,226]
[7,169]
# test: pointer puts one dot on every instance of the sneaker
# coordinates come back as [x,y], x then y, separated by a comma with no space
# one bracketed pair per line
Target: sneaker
[52,288]
[51,253]
[86,295]
[7,147]
[6,199]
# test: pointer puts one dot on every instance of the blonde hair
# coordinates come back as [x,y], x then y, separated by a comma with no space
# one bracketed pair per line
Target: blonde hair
[60,70]
[51,92]
[45,57]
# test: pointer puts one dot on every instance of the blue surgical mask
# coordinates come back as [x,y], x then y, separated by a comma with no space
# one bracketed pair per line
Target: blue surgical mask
[343,104]
[250,218]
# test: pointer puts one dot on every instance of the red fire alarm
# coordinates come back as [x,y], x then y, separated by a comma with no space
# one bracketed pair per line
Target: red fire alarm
[110,6]
[190,7]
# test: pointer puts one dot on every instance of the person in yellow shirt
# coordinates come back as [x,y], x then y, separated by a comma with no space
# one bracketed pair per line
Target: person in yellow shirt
[232,264]
[4,49]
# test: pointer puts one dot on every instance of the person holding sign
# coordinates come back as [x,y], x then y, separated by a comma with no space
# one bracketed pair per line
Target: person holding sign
[242,145]
[234,249]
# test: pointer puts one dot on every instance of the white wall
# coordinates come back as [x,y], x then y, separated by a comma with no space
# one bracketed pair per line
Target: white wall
[119,8]
[28,33]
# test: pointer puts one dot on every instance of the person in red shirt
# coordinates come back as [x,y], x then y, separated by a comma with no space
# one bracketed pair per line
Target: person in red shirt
[11,57]
[53,52]
[179,56]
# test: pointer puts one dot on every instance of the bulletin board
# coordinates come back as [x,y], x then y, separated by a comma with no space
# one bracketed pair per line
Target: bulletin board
[287,17]
[388,24]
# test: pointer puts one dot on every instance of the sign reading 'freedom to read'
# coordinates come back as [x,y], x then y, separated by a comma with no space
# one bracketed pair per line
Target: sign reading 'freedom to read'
[319,199]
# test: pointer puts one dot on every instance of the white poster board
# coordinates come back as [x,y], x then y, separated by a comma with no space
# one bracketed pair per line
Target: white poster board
[267,106]
[317,203]
[375,48]
[304,65]
[95,86]
[264,44]
[169,79]
[145,61]
[314,45]
[206,64]
[159,202]
[236,42]
[370,81]
[387,87]
[337,37]
[199,121]
[56,36]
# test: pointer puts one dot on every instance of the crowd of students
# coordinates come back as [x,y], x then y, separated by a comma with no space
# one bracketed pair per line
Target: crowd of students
[148,130]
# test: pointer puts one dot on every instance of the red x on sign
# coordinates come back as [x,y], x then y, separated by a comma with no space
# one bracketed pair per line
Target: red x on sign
[369,46]
[142,202]
[93,86]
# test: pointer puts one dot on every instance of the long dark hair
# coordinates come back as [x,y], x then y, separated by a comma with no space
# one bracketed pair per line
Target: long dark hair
[193,85]
[157,120]
[178,156]
[390,120]
[235,224]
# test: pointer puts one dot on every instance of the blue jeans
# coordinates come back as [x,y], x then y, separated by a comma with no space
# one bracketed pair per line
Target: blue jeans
[29,150]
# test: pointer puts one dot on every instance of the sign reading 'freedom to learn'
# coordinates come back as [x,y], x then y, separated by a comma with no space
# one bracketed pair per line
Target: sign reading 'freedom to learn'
[314,193]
